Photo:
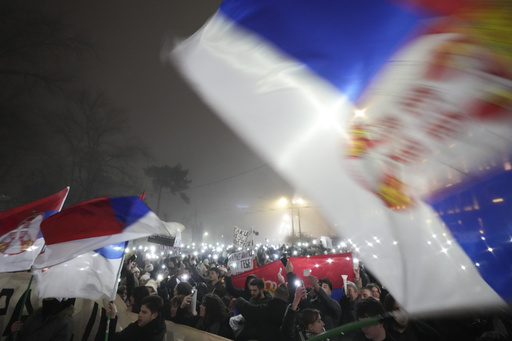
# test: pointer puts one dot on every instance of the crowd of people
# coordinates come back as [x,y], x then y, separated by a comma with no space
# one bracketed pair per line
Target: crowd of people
[199,292]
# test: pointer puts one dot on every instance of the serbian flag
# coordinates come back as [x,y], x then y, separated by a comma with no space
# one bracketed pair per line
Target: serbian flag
[392,116]
[20,235]
[332,267]
[93,224]
[93,275]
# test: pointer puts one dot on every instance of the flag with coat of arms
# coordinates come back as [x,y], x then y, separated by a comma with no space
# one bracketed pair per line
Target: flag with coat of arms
[394,117]
[20,235]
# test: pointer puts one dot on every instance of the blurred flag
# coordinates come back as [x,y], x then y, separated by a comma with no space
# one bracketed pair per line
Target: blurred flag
[394,119]
[94,224]
[20,236]
[93,275]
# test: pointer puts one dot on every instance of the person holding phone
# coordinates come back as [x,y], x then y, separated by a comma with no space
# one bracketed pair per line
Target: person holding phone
[238,292]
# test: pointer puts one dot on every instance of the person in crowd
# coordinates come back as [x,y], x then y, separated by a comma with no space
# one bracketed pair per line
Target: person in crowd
[319,298]
[214,284]
[235,292]
[122,292]
[376,290]
[402,329]
[150,324]
[260,257]
[263,321]
[175,304]
[183,288]
[365,292]
[138,294]
[214,317]
[148,267]
[258,293]
[144,279]
[360,277]
[186,276]
[152,287]
[366,308]
[53,321]
[223,270]
[299,325]
[130,274]
[173,264]
[348,303]
[182,312]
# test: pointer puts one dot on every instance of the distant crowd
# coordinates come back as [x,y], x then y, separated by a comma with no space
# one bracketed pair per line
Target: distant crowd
[199,292]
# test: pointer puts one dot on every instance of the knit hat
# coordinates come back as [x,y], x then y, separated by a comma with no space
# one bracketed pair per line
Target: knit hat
[352,284]
[145,277]
[149,267]
[152,283]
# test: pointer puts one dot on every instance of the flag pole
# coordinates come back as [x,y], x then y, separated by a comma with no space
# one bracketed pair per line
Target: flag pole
[115,287]
[108,327]
[23,302]
[349,327]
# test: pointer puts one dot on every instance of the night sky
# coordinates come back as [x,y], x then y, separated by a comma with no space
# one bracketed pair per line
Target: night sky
[230,184]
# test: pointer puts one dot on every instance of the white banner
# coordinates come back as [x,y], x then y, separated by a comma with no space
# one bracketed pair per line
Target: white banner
[240,262]
[243,238]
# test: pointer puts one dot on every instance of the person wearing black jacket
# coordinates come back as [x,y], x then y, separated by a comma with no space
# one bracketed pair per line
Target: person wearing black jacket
[150,325]
[263,321]
[235,292]
[319,298]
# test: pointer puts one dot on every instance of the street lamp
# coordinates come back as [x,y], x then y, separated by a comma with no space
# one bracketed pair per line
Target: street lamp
[296,202]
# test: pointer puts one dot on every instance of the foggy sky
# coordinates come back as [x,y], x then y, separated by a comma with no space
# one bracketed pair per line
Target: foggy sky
[230,184]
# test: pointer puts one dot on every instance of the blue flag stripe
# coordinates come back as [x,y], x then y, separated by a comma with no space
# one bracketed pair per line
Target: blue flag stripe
[128,209]
[113,251]
[345,42]
[480,219]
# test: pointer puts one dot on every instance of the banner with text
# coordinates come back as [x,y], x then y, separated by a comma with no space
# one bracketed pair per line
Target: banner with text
[241,262]
[243,238]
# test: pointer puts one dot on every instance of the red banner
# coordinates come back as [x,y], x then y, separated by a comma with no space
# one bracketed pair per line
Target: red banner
[330,266]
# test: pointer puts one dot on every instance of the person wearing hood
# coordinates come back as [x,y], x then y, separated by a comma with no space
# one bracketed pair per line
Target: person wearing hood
[53,321]
[245,293]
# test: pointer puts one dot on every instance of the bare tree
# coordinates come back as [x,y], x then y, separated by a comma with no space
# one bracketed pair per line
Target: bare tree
[86,146]
[34,50]
[172,178]
[35,55]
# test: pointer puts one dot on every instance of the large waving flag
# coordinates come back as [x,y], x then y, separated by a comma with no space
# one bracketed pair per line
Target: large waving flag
[93,275]
[321,266]
[20,235]
[94,224]
[392,117]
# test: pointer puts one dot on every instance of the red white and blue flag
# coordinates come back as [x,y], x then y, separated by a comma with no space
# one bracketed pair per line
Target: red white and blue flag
[94,224]
[393,116]
[85,244]
[20,235]
[93,275]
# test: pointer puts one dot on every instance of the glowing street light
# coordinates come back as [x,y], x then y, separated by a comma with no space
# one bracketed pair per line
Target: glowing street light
[295,203]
